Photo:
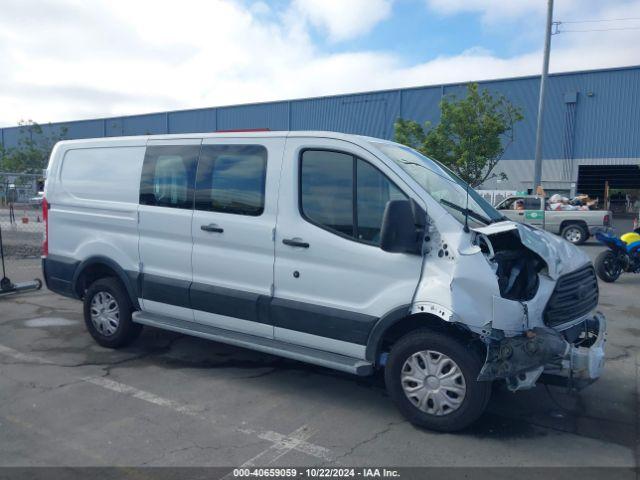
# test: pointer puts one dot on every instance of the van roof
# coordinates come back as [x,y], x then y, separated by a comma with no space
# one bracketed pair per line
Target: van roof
[142,139]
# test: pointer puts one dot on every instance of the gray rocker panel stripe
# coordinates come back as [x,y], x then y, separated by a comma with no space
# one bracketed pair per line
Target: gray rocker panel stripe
[334,323]
[327,322]
[323,321]
[230,302]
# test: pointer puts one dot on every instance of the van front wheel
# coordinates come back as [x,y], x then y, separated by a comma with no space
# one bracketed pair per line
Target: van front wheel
[432,379]
[107,314]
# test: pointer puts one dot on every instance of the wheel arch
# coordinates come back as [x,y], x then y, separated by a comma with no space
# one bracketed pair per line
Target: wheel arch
[96,267]
[401,321]
[582,223]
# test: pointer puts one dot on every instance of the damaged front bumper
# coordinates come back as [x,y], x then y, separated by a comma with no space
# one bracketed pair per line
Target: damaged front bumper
[574,357]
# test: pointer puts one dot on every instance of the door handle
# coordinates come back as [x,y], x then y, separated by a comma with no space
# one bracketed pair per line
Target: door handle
[212,227]
[292,242]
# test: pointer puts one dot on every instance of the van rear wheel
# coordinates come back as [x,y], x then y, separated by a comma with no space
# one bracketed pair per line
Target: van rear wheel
[431,377]
[107,314]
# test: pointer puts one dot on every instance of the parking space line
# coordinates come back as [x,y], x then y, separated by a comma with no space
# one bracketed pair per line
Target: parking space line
[281,444]
[144,395]
[302,446]
[22,357]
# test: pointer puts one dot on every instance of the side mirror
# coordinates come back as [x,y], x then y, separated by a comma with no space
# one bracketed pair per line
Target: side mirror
[403,225]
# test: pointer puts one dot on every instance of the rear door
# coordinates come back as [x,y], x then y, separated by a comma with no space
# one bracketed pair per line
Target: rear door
[332,280]
[233,227]
[165,216]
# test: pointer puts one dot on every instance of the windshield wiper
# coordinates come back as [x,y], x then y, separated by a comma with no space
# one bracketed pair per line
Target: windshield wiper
[466,211]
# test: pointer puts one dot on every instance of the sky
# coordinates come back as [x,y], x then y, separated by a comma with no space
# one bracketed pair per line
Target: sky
[74,59]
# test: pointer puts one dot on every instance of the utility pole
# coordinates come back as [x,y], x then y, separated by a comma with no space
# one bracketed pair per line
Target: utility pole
[537,173]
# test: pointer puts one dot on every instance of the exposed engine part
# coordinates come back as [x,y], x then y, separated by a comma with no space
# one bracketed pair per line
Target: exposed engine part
[524,380]
[516,266]
[517,274]
[512,358]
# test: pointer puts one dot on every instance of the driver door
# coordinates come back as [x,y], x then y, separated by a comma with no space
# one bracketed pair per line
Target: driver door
[507,208]
[332,279]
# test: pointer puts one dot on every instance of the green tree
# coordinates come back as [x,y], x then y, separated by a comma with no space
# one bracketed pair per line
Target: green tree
[33,149]
[472,135]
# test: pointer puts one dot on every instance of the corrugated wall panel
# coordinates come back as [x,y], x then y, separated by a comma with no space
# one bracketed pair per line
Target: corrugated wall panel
[422,105]
[145,124]
[192,121]
[357,114]
[522,93]
[84,129]
[608,114]
[113,127]
[274,116]
[607,117]
[11,136]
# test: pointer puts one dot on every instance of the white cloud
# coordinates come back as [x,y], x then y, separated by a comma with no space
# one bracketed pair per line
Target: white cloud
[69,59]
[344,19]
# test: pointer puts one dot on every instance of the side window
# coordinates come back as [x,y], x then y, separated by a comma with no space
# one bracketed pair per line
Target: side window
[168,176]
[231,179]
[326,190]
[345,194]
[532,204]
[508,204]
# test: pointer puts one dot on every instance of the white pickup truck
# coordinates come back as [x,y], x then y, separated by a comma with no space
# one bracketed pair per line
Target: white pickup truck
[576,226]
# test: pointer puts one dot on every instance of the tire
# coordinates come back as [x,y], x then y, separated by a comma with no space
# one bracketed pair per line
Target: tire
[109,327]
[468,362]
[575,233]
[605,267]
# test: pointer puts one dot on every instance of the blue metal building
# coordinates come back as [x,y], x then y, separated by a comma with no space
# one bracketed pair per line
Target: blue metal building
[592,124]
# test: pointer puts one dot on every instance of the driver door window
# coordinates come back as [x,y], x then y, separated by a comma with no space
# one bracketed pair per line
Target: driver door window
[345,194]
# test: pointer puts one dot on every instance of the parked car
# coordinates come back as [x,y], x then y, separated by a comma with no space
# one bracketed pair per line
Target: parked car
[348,252]
[576,226]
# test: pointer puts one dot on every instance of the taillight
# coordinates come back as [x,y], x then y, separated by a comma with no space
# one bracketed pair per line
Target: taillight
[606,220]
[45,219]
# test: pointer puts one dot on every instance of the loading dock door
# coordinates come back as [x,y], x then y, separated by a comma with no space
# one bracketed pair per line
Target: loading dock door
[591,178]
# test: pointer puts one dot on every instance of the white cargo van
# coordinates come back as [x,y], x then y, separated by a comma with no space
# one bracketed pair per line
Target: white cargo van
[344,251]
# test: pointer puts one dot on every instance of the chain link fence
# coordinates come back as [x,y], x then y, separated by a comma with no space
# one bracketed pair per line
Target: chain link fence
[22,234]
[21,225]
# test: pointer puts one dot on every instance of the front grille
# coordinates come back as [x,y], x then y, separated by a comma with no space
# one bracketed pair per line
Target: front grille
[576,294]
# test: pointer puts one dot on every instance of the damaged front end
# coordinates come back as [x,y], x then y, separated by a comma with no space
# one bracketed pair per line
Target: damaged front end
[522,359]
[544,323]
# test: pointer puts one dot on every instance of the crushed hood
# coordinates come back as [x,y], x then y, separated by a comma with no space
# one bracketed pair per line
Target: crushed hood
[561,256]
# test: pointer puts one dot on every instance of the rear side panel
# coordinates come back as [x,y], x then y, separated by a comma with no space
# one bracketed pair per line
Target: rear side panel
[92,190]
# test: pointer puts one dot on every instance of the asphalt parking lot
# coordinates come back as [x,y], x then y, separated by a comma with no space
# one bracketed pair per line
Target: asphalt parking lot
[172,400]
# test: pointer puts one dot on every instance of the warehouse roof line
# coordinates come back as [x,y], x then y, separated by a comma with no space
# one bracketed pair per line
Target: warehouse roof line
[368,92]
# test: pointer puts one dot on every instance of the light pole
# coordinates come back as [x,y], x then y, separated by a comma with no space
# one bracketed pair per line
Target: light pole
[537,172]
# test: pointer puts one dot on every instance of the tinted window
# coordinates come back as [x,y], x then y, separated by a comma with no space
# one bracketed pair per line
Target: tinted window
[327,189]
[374,190]
[231,179]
[168,176]
[532,204]
[333,183]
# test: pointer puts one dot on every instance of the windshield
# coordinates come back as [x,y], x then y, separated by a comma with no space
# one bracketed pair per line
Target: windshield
[442,184]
